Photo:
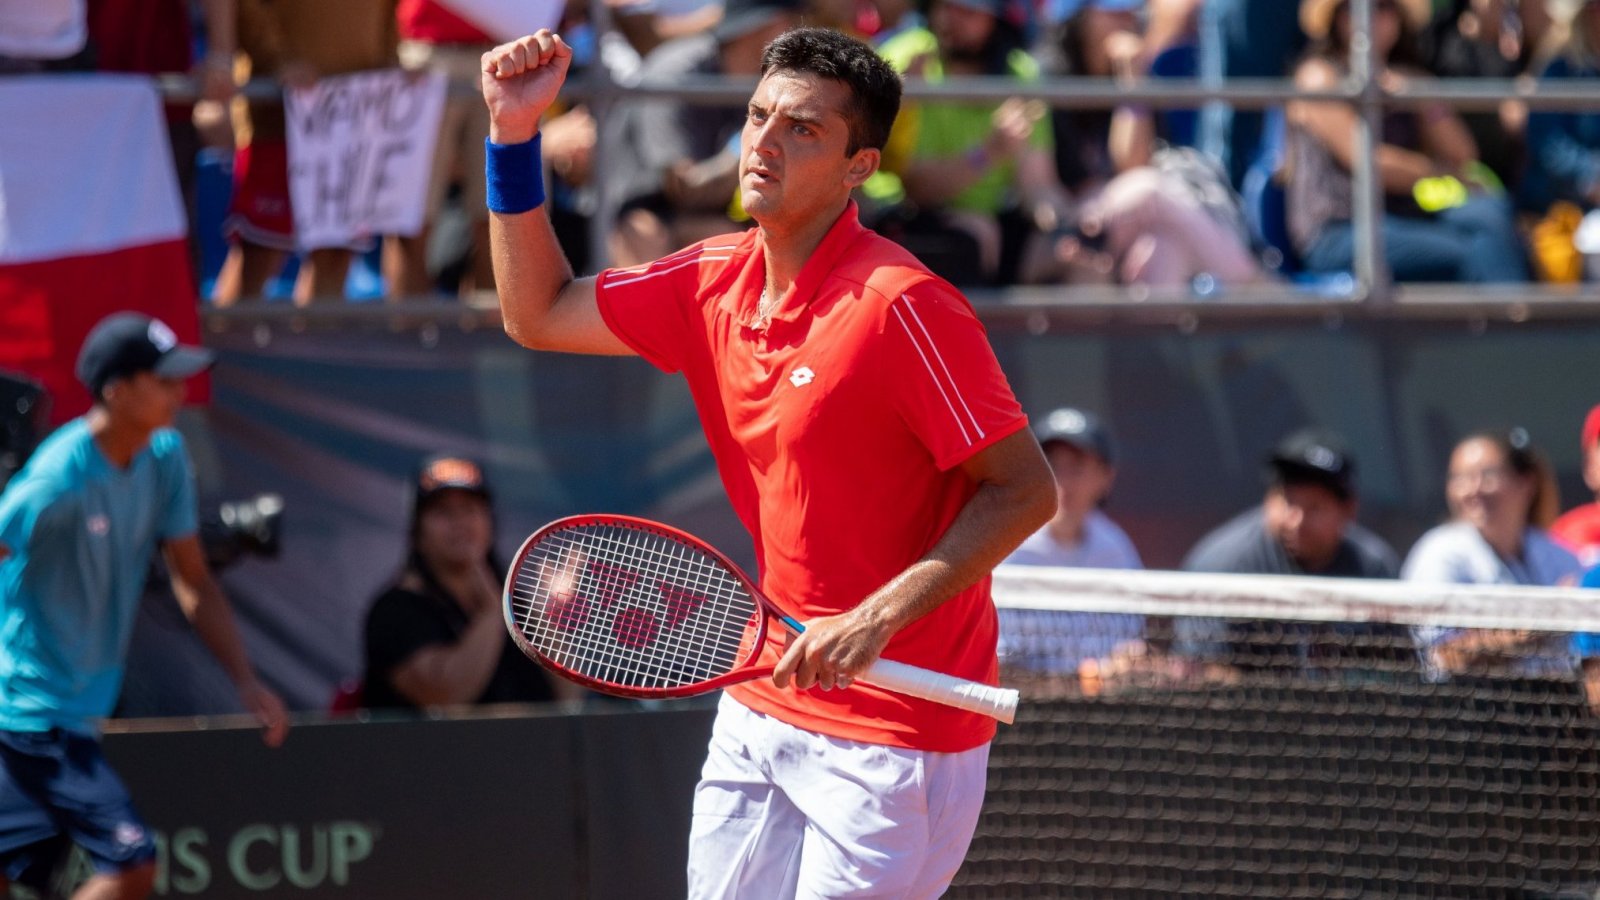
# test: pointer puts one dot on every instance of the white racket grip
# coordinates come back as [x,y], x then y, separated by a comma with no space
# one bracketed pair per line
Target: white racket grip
[997,702]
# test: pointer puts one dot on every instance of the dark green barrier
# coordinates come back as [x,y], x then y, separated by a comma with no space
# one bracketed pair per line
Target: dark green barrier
[586,806]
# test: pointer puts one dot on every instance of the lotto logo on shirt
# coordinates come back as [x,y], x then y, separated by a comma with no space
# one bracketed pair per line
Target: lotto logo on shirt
[99,525]
[802,376]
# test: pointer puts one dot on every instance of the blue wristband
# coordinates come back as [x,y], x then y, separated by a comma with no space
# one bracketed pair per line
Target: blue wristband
[515,176]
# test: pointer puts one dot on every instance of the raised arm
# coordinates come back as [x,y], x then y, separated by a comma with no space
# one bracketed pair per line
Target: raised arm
[1015,497]
[542,304]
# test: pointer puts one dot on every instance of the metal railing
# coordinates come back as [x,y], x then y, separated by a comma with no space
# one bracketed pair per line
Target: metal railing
[1370,291]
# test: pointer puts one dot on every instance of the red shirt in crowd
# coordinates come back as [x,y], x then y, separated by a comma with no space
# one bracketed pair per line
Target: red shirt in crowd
[837,429]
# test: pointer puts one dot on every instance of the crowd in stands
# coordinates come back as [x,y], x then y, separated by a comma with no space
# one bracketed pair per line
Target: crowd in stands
[989,194]
[1503,528]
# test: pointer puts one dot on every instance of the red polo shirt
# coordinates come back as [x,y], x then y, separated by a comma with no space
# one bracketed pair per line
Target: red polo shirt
[837,430]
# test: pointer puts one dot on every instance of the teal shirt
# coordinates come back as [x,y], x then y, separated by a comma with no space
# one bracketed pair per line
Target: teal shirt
[80,533]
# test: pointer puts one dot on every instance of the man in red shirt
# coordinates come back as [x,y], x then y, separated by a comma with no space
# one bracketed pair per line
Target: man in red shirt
[866,438]
[1579,528]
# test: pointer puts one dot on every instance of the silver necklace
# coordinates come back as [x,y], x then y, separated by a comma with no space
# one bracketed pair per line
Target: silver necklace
[764,309]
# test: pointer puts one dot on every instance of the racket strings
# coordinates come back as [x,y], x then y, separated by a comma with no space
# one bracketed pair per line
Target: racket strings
[632,607]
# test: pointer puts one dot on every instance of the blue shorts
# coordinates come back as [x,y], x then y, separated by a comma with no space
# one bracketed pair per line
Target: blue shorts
[56,787]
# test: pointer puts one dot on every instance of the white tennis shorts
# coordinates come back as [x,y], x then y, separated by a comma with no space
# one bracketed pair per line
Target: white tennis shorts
[781,812]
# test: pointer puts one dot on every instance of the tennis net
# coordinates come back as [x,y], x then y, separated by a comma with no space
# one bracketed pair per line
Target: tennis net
[1245,736]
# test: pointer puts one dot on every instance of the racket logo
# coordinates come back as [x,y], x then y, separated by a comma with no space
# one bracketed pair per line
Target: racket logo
[610,582]
[634,627]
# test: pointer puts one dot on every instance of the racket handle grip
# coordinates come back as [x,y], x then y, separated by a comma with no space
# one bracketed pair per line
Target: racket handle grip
[997,702]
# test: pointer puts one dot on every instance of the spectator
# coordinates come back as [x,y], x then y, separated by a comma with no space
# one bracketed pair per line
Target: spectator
[1579,529]
[437,635]
[434,39]
[1444,220]
[1501,495]
[1160,213]
[980,171]
[1306,525]
[1562,181]
[78,527]
[1480,39]
[1082,456]
[671,166]
[296,42]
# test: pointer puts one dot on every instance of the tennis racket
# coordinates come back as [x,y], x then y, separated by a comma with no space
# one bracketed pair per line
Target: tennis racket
[635,608]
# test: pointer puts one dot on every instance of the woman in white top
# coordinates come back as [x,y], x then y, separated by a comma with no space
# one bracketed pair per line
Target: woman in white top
[1501,496]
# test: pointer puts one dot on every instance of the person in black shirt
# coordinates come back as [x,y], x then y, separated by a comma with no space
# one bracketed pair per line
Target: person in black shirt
[436,636]
[1305,525]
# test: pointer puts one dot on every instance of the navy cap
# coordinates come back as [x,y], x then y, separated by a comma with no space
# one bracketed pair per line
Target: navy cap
[1083,430]
[1317,456]
[127,343]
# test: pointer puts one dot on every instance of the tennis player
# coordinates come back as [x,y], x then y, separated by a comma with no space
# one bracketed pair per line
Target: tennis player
[78,525]
[865,436]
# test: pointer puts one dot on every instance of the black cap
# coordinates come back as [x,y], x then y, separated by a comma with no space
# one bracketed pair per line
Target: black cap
[1317,456]
[1083,430]
[126,343]
[447,472]
[740,17]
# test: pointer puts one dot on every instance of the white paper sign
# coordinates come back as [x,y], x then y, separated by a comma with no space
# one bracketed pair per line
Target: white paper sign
[360,151]
[507,20]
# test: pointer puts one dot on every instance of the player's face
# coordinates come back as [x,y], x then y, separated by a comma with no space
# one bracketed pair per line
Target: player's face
[454,530]
[1484,491]
[1308,520]
[792,162]
[145,400]
[1082,480]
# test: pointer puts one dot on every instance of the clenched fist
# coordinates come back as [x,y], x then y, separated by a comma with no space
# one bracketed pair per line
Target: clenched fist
[520,81]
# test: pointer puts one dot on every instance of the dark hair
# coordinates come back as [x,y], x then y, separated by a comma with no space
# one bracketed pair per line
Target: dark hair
[1405,52]
[1526,460]
[1282,476]
[874,85]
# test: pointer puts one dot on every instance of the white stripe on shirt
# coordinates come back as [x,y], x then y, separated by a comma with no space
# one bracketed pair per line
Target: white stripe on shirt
[934,375]
[618,282]
[954,388]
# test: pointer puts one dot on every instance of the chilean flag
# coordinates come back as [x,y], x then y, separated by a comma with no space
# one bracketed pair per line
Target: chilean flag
[91,222]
